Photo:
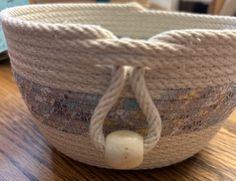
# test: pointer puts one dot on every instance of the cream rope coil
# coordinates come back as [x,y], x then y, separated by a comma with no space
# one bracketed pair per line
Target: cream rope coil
[146,54]
[109,41]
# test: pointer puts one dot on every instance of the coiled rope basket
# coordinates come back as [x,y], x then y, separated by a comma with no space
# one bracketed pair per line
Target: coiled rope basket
[87,71]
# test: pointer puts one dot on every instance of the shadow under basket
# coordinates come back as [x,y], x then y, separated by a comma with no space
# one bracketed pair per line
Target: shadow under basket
[89,71]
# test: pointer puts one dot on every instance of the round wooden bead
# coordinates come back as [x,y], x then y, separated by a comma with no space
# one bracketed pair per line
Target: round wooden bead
[124,149]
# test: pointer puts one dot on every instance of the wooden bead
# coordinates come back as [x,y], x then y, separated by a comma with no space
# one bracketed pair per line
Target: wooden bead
[124,149]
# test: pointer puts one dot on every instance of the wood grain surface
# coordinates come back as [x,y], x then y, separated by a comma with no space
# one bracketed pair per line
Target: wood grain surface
[26,155]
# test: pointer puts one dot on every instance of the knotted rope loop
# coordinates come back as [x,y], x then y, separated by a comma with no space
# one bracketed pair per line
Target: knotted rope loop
[110,97]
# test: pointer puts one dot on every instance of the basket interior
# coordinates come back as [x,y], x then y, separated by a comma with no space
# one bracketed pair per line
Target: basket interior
[129,20]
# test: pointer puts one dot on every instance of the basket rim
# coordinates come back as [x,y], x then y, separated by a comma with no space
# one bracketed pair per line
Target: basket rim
[224,22]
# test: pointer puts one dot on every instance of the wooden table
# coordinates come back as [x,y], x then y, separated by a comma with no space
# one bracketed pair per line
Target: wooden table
[26,155]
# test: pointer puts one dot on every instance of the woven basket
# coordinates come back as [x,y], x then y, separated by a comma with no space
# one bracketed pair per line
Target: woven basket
[86,70]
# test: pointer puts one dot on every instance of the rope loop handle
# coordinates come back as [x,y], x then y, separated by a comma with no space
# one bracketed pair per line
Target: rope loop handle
[111,96]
